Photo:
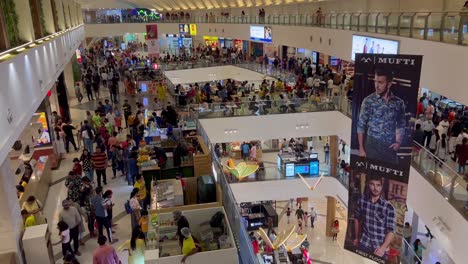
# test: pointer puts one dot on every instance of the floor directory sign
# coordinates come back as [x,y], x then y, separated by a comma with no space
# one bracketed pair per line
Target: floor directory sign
[384,99]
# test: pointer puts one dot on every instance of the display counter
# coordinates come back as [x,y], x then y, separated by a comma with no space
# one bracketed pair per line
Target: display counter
[167,193]
[216,242]
[258,214]
[38,185]
[291,165]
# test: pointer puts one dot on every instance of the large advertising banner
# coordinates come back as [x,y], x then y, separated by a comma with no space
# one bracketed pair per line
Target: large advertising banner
[153,48]
[384,101]
[151,31]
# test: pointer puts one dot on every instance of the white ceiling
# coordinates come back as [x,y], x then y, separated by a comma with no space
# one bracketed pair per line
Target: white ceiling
[172,5]
[277,126]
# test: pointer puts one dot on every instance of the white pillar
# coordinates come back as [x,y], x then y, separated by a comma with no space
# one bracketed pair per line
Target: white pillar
[10,216]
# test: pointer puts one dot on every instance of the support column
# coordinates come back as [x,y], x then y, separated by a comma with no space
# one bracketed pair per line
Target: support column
[333,155]
[10,219]
[331,215]
[415,226]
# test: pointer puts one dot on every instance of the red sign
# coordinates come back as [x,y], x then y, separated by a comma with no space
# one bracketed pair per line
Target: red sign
[152,31]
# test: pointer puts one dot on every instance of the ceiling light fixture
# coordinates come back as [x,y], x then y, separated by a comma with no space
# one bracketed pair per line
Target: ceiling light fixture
[21,49]
[4,56]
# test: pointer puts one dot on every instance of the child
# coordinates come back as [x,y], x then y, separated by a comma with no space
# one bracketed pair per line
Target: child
[143,222]
[29,219]
[64,233]
[288,214]
[77,168]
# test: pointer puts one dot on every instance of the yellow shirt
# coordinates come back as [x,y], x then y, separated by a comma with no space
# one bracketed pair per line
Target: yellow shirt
[188,245]
[30,221]
[141,186]
[144,224]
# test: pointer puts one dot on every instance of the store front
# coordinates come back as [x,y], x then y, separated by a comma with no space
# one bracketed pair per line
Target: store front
[175,42]
[211,41]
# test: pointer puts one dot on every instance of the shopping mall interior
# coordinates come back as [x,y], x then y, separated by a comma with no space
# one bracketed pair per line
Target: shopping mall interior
[320,131]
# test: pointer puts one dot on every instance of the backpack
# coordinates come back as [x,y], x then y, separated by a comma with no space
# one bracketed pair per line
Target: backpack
[128,208]
[217,219]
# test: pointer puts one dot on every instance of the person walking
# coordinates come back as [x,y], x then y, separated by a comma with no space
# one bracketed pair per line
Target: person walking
[418,249]
[87,134]
[313,215]
[100,164]
[105,254]
[97,203]
[78,94]
[335,229]
[462,153]
[135,206]
[67,129]
[288,214]
[65,239]
[87,164]
[71,216]
[73,184]
[299,213]
[442,150]
[407,231]
[87,192]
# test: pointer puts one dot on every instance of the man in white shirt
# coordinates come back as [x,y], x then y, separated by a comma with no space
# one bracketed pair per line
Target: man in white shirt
[316,82]
[427,127]
[313,216]
[443,126]
[330,87]
[419,121]
[310,81]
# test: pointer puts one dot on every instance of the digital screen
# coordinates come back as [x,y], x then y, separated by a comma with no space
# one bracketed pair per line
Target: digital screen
[289,171]
[369,45]
[260,33]
[314,168]
[302,169]
[300,50]
[278,162]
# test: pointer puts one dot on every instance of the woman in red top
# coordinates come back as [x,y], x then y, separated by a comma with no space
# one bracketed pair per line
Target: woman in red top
[420,108]
[77,168]
[255,245]
[335,229]
[462,153]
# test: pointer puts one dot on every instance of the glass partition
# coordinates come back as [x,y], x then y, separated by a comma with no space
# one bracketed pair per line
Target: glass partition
[393,23]
[449,27]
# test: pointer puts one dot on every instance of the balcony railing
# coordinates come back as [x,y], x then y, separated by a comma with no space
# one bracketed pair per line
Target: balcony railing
[448,27]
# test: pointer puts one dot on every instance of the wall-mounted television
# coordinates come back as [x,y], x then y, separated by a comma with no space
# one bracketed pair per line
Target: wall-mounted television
[261,33]
[371,45]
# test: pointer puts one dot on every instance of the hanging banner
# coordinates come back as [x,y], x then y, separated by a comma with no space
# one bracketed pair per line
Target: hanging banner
[153,48]
[384,101]
[152,31]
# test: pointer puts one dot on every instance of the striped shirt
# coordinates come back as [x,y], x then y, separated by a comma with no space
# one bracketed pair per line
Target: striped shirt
[100,160]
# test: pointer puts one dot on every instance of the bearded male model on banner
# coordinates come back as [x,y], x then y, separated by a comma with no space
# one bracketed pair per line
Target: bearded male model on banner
[374,221]
[384,106]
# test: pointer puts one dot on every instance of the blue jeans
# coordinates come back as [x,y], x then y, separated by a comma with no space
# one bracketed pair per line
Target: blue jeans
[88,144]
[90,175]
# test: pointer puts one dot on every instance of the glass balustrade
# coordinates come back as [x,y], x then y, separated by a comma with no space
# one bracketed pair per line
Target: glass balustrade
[449,27]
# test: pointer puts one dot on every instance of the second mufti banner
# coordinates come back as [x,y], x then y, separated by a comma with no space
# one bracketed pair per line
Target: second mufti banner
[384,100]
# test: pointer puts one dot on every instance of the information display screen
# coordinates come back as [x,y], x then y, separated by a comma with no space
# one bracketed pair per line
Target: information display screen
[370,45]
[289,170]
[302,169]
[261,33]
[314,168]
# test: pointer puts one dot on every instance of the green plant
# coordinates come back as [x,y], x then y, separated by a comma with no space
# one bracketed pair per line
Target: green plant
[11,22]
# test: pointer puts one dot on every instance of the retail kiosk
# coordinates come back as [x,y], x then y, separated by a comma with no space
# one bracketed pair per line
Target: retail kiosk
[292,164]
[216,241]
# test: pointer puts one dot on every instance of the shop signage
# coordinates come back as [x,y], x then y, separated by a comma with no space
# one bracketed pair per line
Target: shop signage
[385,96]
[188,29]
